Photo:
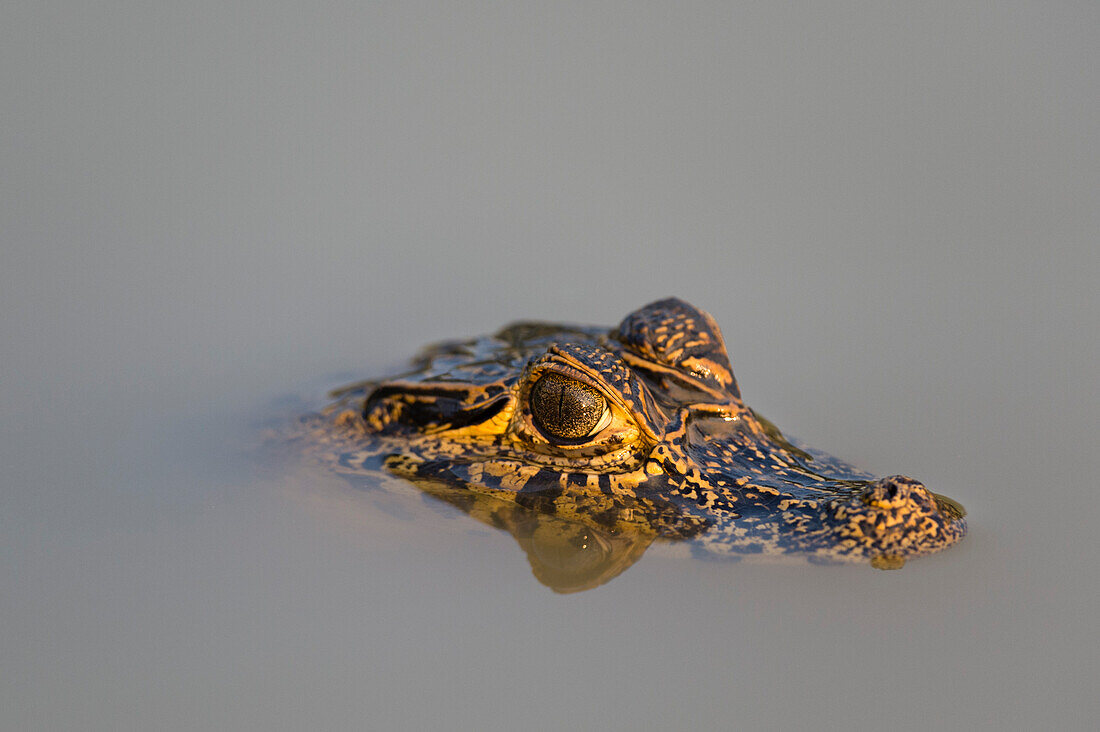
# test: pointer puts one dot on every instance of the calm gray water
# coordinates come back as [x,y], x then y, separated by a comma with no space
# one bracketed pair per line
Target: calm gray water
[211,214]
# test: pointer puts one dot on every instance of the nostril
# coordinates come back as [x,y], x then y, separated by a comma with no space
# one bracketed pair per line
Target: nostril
[893,492]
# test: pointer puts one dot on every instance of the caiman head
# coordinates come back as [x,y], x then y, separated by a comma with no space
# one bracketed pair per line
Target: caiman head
[616,437]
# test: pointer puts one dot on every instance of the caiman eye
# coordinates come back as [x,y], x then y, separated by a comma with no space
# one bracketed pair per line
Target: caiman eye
[566,408]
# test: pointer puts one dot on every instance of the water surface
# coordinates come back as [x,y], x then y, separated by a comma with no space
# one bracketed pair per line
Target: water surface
[210,215]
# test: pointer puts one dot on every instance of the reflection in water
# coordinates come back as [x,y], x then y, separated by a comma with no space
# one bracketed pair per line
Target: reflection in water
[587,545]
[565,555]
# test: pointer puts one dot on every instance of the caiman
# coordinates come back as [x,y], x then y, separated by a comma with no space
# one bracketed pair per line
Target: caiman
[589,443]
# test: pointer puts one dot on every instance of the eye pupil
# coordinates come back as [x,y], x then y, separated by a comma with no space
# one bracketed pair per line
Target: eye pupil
[566,408]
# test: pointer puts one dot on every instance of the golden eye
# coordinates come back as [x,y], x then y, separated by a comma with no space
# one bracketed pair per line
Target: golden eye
[566,408]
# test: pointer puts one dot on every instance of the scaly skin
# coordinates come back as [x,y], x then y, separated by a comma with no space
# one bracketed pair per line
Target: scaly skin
[680,457]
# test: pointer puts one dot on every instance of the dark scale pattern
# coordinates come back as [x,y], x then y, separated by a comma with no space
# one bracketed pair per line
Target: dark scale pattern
[676,456]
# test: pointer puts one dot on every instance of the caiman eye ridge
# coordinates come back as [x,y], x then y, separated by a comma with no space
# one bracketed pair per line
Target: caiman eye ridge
[566,408]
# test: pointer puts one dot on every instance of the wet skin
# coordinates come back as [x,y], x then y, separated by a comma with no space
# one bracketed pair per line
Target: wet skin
[587,444]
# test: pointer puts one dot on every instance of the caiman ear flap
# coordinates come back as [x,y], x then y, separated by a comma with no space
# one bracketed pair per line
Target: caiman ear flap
[674,334]
[403,407]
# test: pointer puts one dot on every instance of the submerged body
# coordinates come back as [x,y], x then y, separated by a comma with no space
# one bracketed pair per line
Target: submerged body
[588,443]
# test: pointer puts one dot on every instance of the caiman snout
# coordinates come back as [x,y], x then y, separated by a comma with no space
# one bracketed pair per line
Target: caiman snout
[897,517]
